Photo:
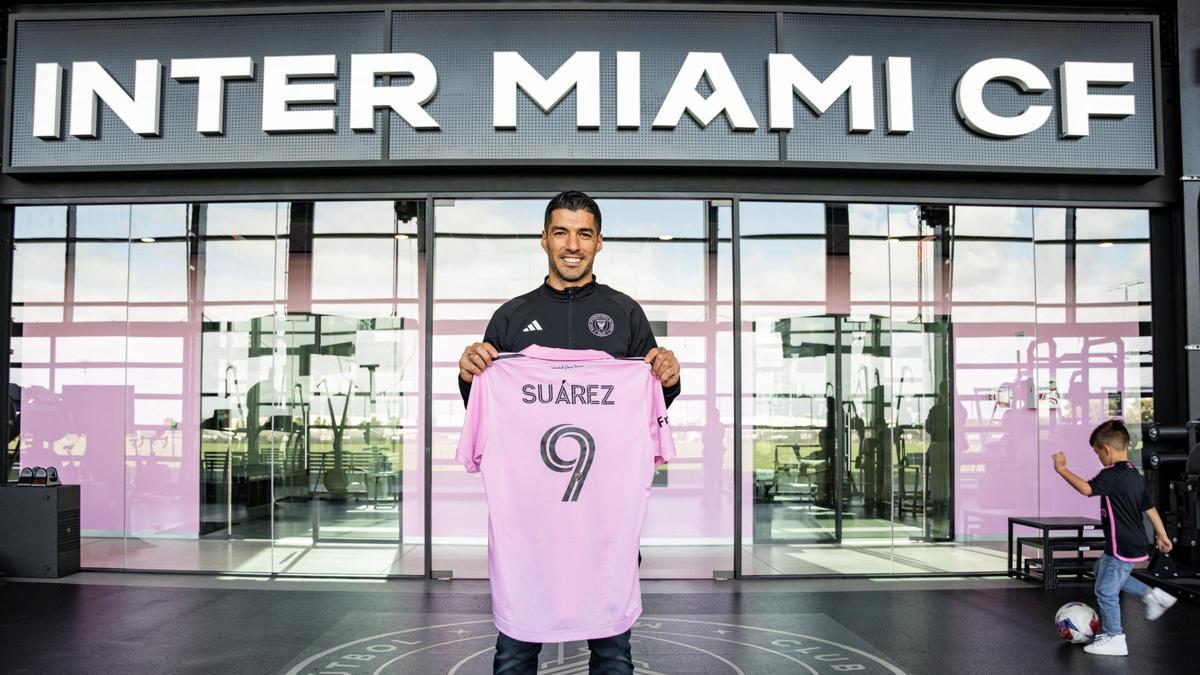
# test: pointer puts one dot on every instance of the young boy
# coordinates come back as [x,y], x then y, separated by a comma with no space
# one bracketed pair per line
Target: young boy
[1123,501]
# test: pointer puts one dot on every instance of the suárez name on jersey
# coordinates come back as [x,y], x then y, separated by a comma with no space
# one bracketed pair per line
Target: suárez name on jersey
[568,394]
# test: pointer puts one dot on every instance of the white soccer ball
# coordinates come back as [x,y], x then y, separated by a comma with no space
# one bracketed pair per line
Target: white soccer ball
[1077,622]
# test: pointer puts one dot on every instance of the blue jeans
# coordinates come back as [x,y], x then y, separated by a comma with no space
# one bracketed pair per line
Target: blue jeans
[610,656]
[1112,577]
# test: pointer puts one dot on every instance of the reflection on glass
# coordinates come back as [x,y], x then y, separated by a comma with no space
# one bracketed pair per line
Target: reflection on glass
[363,218]
[38,276]
[653,218]
[240,271]
[993,222]
[239,385]
[1112,224]
[149,221]
[511,267]
[158,273]
[162,471]
[850,416]
[1050,224]
[34,222]
[298,451]
[657,272]
[487,253]
[779,219]
[491,216]
[74,405]
[245,219]
[103,221]
[799,424]
[169,358]
[1094,344]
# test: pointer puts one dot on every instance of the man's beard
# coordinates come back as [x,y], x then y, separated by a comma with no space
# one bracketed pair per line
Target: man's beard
[572,275]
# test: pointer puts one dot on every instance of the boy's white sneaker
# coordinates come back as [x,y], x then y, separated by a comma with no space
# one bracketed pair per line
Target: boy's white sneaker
[1157,602]
[1108,645]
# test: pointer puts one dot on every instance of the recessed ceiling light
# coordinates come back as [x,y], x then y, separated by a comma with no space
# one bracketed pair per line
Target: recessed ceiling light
[1107,244]
[402,236]
[148,240]
[666,237]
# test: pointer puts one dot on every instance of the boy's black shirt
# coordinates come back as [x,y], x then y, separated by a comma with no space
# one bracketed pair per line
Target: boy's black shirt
[1123,499]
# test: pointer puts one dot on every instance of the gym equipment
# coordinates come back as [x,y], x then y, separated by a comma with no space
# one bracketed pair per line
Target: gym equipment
[8,458]
[1077,622]
[1172,465]
[336,479]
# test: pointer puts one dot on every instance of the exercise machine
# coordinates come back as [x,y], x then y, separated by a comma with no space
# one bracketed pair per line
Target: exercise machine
[1172,466]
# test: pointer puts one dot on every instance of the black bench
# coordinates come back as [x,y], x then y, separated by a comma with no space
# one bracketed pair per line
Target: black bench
[1085,530]
[1048,567]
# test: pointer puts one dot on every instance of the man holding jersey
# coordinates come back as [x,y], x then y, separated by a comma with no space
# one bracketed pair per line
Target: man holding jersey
[570,310]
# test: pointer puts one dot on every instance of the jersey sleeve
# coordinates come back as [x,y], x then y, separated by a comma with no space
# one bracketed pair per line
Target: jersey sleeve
[1102,484]
[660,426]
[471,440]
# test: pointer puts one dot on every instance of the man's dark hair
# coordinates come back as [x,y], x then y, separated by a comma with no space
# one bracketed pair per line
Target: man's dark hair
[572,200]
[1111,433]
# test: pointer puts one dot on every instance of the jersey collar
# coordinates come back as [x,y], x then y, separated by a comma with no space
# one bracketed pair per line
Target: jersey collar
[552,354]
[570,293]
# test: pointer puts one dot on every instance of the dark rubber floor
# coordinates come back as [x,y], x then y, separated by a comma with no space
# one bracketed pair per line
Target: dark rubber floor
[688,627]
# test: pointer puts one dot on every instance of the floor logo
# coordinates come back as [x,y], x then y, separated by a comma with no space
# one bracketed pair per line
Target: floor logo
[660,647]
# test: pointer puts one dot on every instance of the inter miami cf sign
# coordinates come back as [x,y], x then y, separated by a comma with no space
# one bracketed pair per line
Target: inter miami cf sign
[791,88]
[788,80]
[579,467]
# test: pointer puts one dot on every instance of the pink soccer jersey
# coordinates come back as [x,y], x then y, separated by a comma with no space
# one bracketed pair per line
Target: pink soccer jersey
[567,441]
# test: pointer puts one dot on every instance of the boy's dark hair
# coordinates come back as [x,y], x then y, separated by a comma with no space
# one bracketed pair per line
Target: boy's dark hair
[572,200]
[1111,433]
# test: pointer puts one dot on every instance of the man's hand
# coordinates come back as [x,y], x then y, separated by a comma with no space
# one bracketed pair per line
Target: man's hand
[664,365]
[474,359]
[1060,461]
[1163,543]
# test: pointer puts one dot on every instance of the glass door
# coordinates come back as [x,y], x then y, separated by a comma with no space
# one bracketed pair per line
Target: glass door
[866,450]
[929,420]
[346,404]
[800,462]
[994,298]
[831,474]
[236,283]
[1094,347]
[817,374]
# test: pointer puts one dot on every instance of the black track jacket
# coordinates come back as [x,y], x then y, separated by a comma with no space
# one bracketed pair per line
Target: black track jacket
[593,316]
